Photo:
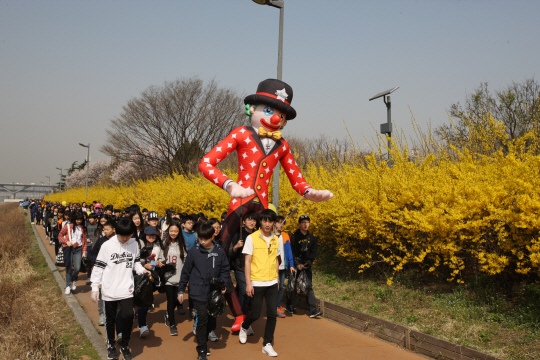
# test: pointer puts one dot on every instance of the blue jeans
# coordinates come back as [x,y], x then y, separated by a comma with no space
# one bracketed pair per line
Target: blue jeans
[244,299]
[142,311]
[281,281]
[72,257]
[33,215]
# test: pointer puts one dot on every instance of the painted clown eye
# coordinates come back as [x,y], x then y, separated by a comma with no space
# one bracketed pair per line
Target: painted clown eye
[268,110]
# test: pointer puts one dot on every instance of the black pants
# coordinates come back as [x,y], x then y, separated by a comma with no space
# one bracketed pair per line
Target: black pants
[172,302]
[270,295]
[126,313]
[311,295]
[205,324]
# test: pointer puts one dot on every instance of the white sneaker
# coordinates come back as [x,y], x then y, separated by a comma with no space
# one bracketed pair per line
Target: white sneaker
[144,331]
[269,350]
[242,335]
[73,286]
[50,242]
[212,336]
[68,290]
[250,331]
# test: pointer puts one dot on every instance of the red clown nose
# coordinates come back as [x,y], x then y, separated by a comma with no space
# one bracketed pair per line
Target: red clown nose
[275,119]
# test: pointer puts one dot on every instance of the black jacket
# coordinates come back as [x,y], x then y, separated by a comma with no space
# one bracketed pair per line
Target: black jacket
[304,247]
[236,258]
[200,267]
[92,255]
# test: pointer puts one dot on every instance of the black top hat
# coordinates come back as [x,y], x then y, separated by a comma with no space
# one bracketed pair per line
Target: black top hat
[275,93]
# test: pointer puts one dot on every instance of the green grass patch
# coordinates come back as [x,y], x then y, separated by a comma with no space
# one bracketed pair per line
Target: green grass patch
[490,315]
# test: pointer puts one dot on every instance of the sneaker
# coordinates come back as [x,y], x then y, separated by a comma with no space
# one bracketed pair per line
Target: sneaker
[290,309]
[180,311]
[315,313]
[194,328]
[68,290]
[173,331]
[167,324]
[119,338]
[208,352]
[242,335]
[73,286]
[212,336]
[32,223]
[202,356]
[127,354]
[101,321]
[269,350]
[50,242]
[280,313]
[144,331]
[151,308]
[111,354]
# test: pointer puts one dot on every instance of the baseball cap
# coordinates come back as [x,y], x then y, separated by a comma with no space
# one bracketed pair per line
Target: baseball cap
[150,230]
[152,215]
[304,217]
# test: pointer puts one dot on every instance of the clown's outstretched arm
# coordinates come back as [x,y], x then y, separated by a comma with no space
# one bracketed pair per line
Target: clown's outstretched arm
[208,169]
[297,179]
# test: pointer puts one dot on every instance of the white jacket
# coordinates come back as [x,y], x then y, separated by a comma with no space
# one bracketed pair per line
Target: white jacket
[113,270]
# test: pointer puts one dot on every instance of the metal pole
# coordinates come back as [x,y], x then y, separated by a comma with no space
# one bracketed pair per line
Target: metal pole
[87,168]
[275,183]
[389,121]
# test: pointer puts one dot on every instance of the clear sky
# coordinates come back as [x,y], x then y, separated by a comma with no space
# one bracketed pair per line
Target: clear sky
[68,67]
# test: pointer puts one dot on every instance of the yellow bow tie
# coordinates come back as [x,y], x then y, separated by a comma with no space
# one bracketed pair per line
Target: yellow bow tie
[275,135]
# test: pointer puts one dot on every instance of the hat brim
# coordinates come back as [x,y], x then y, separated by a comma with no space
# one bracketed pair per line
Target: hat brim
[256,99]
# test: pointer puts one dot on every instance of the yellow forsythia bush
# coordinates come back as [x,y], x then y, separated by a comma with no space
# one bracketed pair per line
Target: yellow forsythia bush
[453,211]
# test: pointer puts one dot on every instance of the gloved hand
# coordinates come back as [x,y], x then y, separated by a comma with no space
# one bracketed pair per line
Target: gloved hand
[318,195]
[95,296]
[237,191]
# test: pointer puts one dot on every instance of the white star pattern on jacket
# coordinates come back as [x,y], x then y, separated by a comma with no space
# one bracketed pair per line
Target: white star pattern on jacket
[255,162]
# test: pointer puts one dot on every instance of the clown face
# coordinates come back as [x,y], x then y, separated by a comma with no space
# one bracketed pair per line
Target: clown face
[267,117]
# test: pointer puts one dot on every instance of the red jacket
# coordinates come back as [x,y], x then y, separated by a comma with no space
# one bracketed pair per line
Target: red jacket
[255,168]
[63,236]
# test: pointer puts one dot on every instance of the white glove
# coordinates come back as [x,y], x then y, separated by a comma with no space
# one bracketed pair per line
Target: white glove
[95,296]
[318,195]
[237,191]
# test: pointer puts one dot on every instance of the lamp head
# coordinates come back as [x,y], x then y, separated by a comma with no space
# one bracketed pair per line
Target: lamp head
[275,3]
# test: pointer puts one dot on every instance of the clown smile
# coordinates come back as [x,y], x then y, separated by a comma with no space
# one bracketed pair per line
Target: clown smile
[271,127]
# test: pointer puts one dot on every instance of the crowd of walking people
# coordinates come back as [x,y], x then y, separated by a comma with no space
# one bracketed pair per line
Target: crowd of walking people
[115,247]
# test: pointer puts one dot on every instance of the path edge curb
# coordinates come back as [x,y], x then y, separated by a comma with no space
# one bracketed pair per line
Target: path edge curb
[78,312]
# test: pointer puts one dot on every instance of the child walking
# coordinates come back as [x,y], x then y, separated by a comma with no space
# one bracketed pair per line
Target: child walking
[262,269]
[204,261]
[151,242]
[113,271]
[287,264]
[73,237]
[108,229]
[175,252]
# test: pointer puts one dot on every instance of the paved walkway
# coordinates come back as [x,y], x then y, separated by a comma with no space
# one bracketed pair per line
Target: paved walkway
[296,337]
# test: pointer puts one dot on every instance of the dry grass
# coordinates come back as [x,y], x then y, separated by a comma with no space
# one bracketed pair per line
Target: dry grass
[35,321]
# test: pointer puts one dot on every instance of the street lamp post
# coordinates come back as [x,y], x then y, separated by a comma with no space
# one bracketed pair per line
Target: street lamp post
[280,5]
[60,178]
[87,165]
[386,128]
[48,177]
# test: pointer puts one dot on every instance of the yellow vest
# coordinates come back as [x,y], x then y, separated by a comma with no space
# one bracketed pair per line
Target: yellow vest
[264,259]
